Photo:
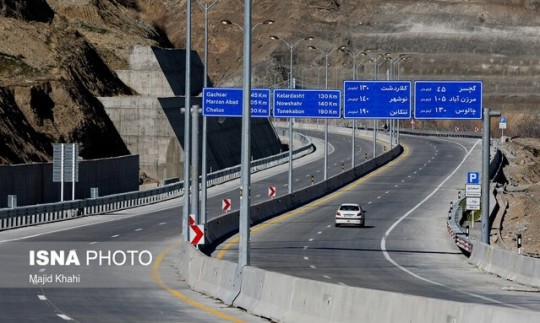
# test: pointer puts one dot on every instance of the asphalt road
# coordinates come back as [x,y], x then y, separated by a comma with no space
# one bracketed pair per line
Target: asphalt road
[404,247]
[122,289]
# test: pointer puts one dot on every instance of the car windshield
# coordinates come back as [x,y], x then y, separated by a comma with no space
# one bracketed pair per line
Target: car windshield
[349,208]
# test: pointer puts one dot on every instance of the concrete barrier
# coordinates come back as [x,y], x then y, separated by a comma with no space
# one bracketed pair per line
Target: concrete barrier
[283,298]
[506,264]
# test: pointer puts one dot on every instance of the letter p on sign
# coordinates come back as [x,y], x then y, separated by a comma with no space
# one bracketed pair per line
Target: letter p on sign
[473,178]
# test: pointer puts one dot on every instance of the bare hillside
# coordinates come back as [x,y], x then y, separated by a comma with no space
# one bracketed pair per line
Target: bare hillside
[56,57]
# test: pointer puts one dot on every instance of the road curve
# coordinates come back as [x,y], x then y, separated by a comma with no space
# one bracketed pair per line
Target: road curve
[136,293]
[404,247]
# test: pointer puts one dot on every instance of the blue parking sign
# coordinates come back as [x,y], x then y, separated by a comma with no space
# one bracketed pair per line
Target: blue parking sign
[473,178]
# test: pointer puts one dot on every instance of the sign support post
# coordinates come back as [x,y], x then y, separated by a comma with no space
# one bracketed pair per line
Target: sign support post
[485,173]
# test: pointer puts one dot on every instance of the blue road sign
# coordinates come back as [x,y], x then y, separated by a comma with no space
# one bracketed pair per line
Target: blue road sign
[377,99]
[290,103]
[448,100]
[473,178]
[503,120]
[227,102]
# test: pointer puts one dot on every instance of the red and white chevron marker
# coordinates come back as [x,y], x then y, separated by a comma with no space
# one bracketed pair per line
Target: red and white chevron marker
[226,205]
[196,232]
[271,192]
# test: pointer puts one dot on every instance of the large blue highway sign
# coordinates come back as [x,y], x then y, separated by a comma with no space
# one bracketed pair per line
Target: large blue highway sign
[227,102]
[377,99]
[448,100]
[290,103]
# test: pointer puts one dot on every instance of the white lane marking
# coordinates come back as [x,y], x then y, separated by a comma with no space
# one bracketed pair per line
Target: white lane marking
[65,317]
[378,197]
[369,202]
[328,226]
[310,239]
[386,192]
[403,217]
[319,232]
[297,180]
[306,258]
[318,171]
[115,236]
[425,165]
[396,185]
[258,195]
[139,229]
[312,267]
[305,247]
[162,223]
[327,277]
[403,181]
[42,297]
[414,172]
[94,242]
[409,176]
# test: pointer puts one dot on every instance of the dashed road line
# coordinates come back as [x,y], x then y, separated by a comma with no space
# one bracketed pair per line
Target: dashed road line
[94,242]
[115,236]
[312,267]
[139,229]
[327,277]
[65,317]
[306,258]
[42,297]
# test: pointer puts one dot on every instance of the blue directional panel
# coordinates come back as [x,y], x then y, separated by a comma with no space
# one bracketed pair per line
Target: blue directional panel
[227,102]
[448,100]
[377,99]
[323,104]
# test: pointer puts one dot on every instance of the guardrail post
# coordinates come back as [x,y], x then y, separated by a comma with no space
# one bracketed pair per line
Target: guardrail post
[12,201]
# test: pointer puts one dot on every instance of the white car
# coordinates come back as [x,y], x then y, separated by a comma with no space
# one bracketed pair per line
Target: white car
[351,214]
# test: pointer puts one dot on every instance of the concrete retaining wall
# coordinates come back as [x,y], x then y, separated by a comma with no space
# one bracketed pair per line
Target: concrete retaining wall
[32,183]
[152,125]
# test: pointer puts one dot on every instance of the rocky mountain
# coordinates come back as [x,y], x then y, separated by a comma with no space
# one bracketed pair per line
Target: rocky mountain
[57,56]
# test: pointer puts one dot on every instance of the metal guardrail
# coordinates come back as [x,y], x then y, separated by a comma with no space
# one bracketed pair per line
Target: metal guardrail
[11,218]
[460,237]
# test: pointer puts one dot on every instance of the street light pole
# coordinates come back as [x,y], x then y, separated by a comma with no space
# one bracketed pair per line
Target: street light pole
[245,171]
[187,109]
[375,121]
[204,164]
[353,56]
[291,49]
[486,136]
[326,54]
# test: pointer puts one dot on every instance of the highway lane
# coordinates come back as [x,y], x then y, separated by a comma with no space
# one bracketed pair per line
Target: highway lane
[110,294]
[404,247]
[339,153]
